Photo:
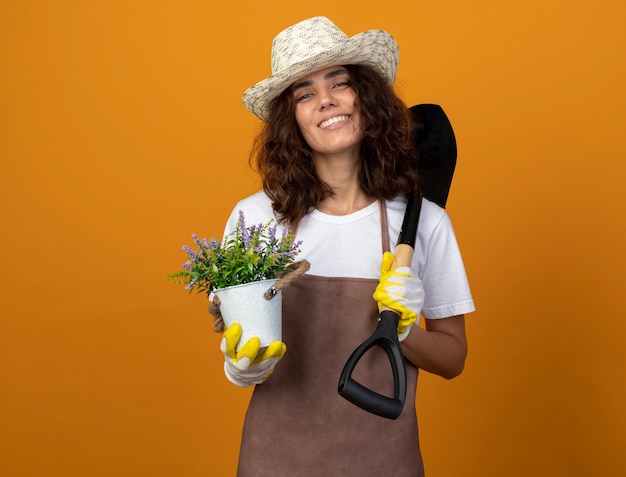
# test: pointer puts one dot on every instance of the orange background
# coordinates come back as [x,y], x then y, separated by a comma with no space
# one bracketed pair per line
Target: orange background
[122,132]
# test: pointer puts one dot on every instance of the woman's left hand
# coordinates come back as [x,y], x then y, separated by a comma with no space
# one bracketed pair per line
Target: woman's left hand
[401,292]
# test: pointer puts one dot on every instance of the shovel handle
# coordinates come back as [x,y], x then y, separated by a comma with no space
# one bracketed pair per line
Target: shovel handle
[386,337]
[386,333]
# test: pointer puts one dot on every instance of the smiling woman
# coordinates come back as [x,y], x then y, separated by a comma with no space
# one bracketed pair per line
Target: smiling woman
[327,116]
[337,160]
[293,164]
[122,130]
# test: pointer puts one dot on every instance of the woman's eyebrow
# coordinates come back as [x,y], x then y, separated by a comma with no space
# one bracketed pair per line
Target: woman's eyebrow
[302,84]
[329,75]
[332,74]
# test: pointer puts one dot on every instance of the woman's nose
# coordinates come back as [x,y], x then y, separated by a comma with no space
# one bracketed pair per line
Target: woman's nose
[327,99]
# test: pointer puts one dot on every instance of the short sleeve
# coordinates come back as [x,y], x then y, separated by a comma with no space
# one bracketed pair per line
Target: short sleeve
[446,287]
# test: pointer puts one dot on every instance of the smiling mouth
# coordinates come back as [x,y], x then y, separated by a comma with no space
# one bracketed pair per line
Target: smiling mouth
[333,121]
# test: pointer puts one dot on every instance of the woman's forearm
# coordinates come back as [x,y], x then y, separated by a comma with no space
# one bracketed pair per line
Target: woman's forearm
[440,349]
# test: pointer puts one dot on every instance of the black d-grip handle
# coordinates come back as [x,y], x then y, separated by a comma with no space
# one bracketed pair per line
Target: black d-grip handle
[385,336]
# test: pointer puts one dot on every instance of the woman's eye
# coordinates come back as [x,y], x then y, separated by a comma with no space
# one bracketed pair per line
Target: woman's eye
[342,84]
[303,97]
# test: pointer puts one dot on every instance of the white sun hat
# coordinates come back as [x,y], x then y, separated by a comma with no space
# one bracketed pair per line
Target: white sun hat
[314,44]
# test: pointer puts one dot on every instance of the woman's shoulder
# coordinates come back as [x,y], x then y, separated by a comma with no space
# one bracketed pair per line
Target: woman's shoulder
[256,208]
[258,200]
[431,214]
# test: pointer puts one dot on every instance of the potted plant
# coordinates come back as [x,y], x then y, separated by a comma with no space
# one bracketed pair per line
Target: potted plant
[242,272]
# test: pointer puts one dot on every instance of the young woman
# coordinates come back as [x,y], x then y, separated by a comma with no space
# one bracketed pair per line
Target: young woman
[337,160]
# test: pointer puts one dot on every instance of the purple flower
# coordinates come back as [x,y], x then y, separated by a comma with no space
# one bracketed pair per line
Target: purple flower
[271,232]
[213,244]
[247,254]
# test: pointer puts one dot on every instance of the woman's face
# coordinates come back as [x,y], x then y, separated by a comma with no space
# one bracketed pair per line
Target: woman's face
[326,113]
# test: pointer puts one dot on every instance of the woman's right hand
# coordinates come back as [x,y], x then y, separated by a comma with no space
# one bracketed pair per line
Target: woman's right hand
[247,367]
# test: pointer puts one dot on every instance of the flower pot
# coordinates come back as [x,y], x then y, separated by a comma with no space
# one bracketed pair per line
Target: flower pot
[246,305]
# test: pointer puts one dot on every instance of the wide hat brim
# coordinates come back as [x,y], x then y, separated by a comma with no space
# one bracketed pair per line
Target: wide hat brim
[374,48]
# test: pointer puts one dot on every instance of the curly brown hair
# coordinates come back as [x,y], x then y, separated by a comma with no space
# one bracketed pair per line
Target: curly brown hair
[285,161]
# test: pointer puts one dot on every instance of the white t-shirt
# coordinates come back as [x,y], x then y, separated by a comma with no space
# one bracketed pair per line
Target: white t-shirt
[351,246]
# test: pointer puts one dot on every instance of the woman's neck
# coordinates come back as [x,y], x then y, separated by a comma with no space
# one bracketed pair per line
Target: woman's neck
[342,175]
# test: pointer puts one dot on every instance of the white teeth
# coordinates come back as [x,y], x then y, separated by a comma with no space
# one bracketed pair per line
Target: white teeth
[331,121]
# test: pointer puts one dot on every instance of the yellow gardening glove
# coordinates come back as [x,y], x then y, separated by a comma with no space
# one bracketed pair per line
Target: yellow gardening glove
[401,292]
[246,367]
